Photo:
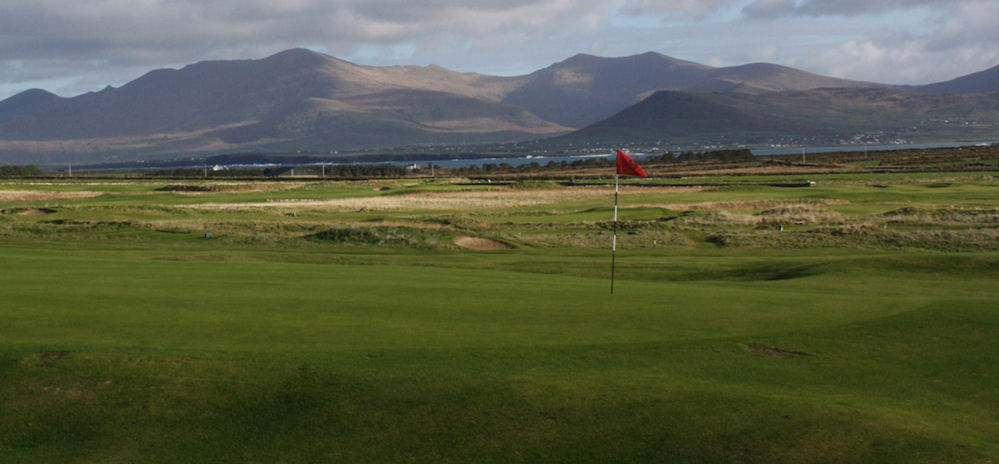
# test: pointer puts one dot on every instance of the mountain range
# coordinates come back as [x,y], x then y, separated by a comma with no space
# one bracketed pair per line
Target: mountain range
[826,116]
[300,100]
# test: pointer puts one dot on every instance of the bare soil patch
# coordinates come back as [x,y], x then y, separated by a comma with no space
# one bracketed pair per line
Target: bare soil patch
[481,244]
[49,358]
[185,188]
[773,351]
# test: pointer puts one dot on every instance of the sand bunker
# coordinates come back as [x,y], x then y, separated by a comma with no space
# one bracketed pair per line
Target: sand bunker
[481,244]
[463,200]
[39,195]
[423,201]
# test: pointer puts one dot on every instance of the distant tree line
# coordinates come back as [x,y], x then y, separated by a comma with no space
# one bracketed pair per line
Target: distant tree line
[723,156]
[20,171]
[365,170]
[335,171]
[534,166]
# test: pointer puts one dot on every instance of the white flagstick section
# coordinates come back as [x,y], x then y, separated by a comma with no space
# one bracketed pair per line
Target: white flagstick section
[615,202]
[614,240]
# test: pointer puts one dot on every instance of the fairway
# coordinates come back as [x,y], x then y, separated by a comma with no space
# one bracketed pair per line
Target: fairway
[853,321]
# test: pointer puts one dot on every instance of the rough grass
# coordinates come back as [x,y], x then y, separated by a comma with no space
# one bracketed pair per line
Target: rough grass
[767,204]
[399,236]
[195,188]
[959,217]
[862,236]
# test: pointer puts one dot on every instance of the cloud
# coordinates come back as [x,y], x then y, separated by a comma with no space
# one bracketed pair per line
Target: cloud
[969,24]
[908,60]
[769,9]
[675,9]
[83,46]
[126,35]
[862,7]
[158,30]
[905,42]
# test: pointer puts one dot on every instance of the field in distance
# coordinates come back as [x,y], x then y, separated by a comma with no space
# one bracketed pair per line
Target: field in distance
[444,320]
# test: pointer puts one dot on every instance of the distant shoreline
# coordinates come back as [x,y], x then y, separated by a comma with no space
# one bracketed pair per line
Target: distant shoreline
[458,160]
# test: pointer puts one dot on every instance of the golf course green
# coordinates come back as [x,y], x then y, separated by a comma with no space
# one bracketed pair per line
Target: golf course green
[443,320]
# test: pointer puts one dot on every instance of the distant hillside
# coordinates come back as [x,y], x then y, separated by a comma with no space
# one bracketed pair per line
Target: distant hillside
[585,89]
[980,82]
[293,100]
[757,78]
[821,116]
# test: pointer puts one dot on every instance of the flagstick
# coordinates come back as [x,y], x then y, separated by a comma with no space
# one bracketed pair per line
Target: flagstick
[614,242]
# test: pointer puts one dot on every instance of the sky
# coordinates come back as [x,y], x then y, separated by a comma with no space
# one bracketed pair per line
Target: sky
[71,47]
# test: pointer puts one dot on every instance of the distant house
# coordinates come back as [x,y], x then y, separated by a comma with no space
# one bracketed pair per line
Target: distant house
[300,171]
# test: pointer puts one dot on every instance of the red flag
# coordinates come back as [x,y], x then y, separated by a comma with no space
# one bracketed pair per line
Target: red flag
[627,166]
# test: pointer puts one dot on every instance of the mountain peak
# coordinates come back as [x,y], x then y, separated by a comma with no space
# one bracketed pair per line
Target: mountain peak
[583,59]
[34,95]
[26,103]
[297,57]
[579,59]
[652,55]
